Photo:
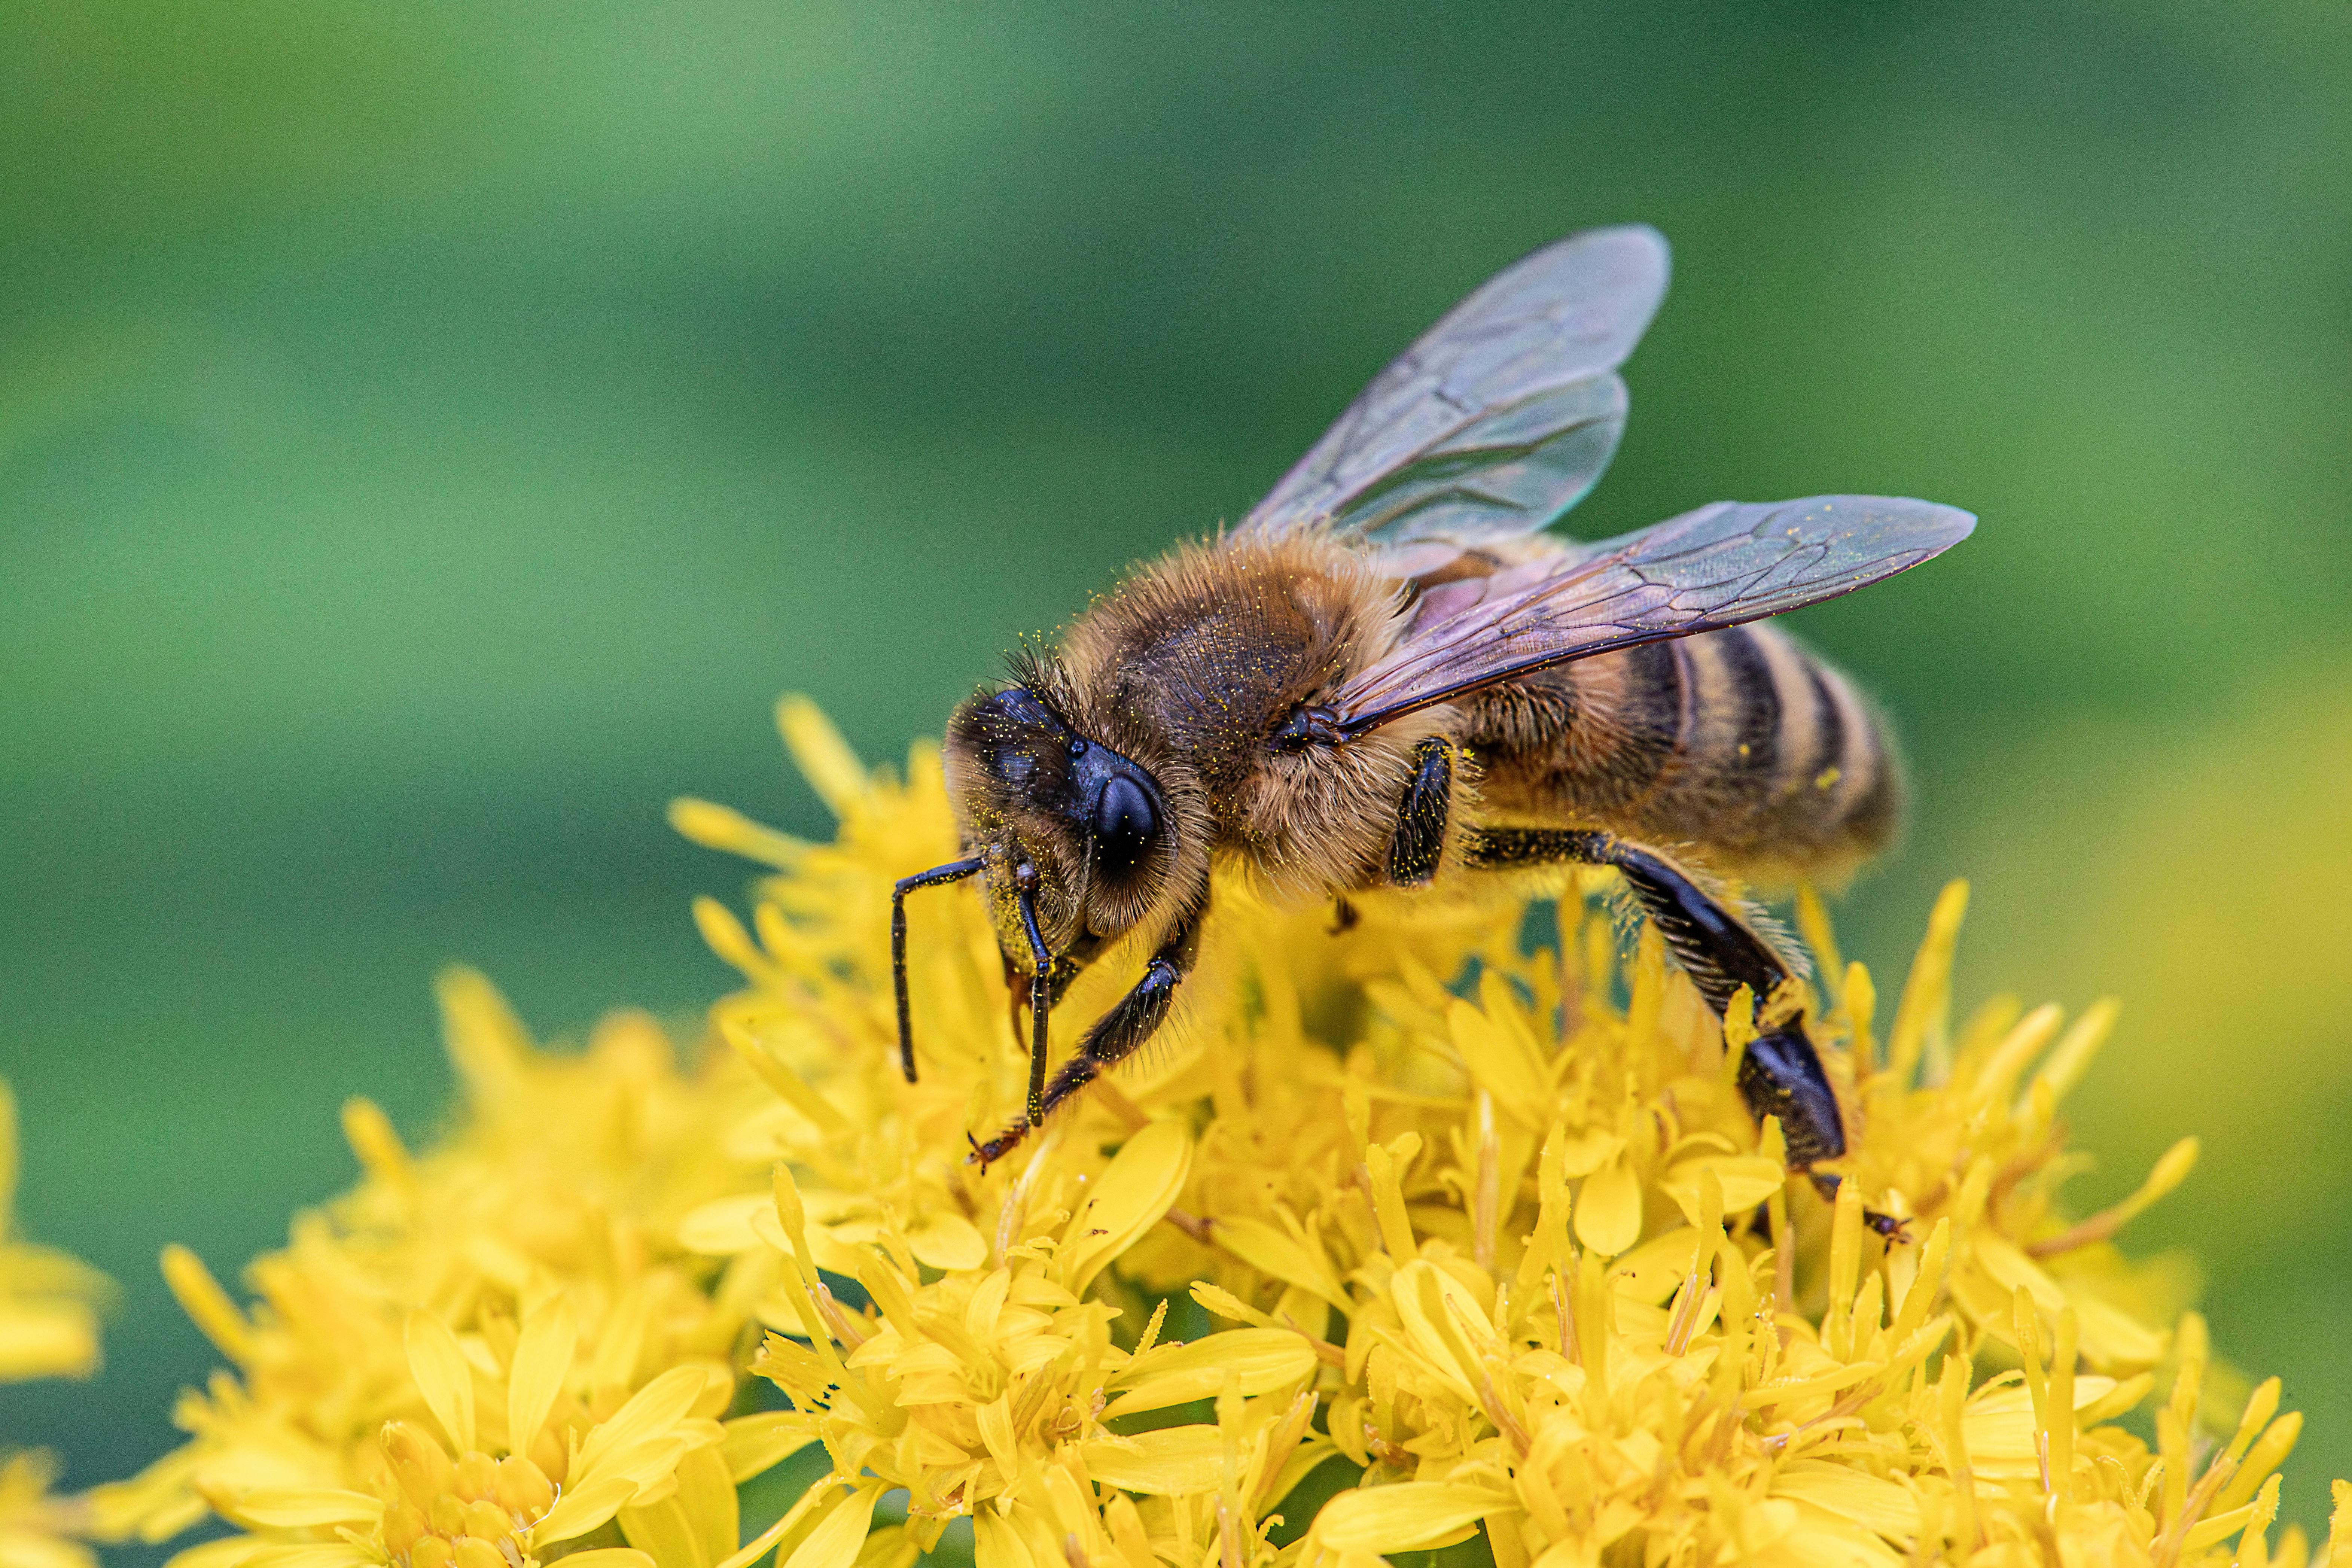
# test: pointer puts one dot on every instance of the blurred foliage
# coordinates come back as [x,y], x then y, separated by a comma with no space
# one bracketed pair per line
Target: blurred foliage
[430,436]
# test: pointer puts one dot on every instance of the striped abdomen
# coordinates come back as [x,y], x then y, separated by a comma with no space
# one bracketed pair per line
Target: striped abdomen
[1737,742]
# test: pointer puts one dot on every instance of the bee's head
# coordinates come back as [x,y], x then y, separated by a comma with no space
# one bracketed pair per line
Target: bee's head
[1057,816]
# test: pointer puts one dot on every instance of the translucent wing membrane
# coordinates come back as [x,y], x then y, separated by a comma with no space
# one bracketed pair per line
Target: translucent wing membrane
[1718,566]
[1500,417]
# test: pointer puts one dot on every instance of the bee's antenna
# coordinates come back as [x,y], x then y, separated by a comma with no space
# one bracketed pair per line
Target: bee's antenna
[938,875]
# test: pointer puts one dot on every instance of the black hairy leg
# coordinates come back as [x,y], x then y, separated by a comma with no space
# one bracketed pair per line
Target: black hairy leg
[1041,986]
[1420,838]
[1781,1073]
[938,875]
[1115,1036]
[1020,988]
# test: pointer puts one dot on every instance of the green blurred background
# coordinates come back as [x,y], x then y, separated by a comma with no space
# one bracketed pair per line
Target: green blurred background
[430,434]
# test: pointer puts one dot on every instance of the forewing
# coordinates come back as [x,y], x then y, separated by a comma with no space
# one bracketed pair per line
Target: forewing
[1718,566]
[1500,417]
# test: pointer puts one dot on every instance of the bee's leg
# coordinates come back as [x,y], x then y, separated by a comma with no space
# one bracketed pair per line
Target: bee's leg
[1018,983]
[1118,1033]
[953,872]
[1781,1073]
[1041,997]
[1419,837]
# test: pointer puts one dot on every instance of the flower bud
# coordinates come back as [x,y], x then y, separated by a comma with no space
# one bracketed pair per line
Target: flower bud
[476,1474]
[523,1488]
[424,1470]
[488,1521]
[404,1523]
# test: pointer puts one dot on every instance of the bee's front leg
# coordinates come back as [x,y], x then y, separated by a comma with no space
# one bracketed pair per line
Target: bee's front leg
[1117,1035]
[1781,1073]
[937,876]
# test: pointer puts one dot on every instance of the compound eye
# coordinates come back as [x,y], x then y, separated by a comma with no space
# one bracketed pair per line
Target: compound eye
[1124,824]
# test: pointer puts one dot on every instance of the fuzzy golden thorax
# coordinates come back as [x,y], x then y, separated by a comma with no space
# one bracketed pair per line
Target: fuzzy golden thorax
[1188,670]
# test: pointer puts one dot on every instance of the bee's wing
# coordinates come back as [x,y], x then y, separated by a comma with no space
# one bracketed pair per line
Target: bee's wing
[1722,564]
[1500,417]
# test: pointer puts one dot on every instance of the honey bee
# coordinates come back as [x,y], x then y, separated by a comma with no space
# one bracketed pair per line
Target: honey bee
[1387,675]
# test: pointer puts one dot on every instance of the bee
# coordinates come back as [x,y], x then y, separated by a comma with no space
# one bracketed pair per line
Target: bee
[1387,675]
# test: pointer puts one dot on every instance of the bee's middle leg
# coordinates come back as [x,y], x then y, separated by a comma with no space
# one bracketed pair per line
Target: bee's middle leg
[1115,1036]
[1780,1074]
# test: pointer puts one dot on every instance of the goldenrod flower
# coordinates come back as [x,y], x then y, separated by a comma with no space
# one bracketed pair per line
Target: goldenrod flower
[520,1291]
[1480,1224]
[1492,1225]
[49,1327]
[48,1299]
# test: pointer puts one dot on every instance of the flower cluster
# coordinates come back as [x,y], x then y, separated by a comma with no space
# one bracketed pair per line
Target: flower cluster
[49,1327]
[1448,1228]
[492,1349]
[1482,1221]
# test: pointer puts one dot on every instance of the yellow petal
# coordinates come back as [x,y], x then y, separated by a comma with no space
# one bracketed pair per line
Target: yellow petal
[822,757]
[609,1557]
[1440,1316]
[1748,1180]
[834,1542]
[995,1543]
[47,1338]
[1653,1271]
[1875,1503]
[654,1410]
[322,1554]
[1500,1060]
[33,1549]
[1171,1461]
[706,1495]
[1609,1209]
[948,1241]
[1132,1194]
[296,1508]
[443,1377]
[724,1227]
[583,1507]
[1405,1517]
[662,1532]
[758,1443]
[226,1553]
[1587,1152]
[1268,1250]
[1999,1427]
[1262,1359]
[542,1360]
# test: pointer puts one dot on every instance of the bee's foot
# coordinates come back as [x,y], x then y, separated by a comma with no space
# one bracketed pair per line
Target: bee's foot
[986,1155]
[1894,1227]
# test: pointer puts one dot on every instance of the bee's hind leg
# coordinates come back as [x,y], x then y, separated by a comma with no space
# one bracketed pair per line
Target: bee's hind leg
[1781,1073]
[1117,1035]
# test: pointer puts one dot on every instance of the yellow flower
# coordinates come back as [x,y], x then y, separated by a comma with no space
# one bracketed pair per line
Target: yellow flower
[472,1331]
[1473,1227]
[1490,1223]
[49,1327]
[49,1300]
[34,1527]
